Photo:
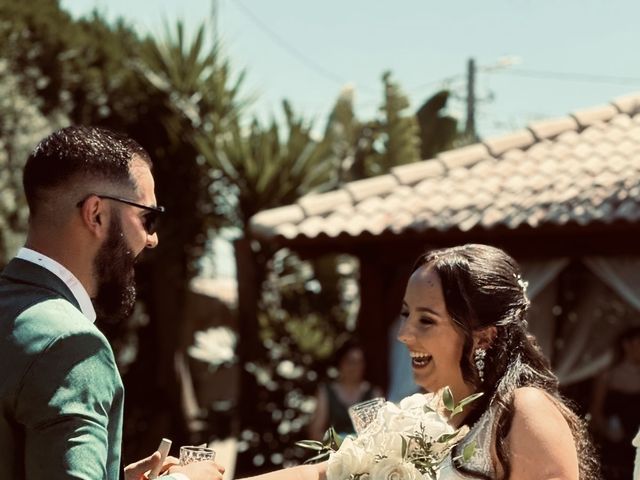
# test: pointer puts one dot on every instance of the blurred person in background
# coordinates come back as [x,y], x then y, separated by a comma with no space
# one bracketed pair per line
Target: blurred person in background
[615,407]
[350,387]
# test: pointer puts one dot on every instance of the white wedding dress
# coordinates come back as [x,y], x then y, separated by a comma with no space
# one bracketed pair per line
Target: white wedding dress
[482,434]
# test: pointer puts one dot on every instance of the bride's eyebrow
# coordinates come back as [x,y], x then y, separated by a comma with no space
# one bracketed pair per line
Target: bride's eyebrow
[428,310]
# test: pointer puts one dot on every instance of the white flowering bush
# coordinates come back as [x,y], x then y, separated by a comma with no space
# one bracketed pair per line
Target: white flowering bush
[406,441]
[214,346]
[22,125]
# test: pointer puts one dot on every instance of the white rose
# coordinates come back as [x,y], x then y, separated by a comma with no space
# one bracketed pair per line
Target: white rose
[396,419]
[348,460]
[386,412]
[385,444]
[435,425]
[417,400]
[389,469]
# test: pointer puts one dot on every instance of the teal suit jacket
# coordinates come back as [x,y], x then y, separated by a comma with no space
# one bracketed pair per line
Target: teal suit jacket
[61,396]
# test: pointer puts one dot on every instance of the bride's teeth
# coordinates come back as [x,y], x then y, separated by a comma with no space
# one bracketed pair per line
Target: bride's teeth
[420,359]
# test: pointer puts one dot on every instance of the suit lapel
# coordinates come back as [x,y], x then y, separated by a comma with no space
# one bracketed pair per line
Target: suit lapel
[23,271]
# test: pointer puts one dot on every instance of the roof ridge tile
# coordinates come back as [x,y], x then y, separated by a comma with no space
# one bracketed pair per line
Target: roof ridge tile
[415,172]
[588,116]
[267,219]
[322,203]
[552,127]
[629,104]
[463,157]
[368,187]
[519,139]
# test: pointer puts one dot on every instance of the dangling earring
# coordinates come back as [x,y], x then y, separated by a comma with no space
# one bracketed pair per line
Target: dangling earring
[478,358]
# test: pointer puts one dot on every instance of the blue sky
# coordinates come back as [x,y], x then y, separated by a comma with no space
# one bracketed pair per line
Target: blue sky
[572,54]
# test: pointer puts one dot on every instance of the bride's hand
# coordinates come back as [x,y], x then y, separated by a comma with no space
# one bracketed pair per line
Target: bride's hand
[205,470]
[302,472]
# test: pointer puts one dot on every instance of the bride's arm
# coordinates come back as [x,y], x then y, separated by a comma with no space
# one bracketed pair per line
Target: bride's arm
[303,472]
[541,445]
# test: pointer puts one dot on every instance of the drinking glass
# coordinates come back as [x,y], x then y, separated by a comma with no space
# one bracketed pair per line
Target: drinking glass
[192,453]
[363,413]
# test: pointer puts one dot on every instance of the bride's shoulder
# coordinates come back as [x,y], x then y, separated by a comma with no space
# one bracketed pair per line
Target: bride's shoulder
[528,401]
[540,435]
[534,406]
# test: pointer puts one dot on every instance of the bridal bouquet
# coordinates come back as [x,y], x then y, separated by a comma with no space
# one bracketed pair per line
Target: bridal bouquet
[406,441]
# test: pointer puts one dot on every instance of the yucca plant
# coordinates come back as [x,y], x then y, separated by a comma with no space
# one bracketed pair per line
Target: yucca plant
[262,167]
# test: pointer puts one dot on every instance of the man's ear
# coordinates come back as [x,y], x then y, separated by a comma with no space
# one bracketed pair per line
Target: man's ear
[94,215]
[483,338]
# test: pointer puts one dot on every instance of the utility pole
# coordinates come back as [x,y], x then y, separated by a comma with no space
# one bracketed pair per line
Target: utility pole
[470,127]
[471,98]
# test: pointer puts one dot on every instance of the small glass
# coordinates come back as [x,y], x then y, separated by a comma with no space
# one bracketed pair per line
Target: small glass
[192,453]
[363,413]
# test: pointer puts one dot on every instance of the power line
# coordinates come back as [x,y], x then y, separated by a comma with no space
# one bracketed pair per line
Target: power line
[571,77]
[443,82]
[319,69]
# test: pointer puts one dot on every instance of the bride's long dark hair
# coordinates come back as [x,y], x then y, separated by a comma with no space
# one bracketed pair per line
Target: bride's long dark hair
[482,287]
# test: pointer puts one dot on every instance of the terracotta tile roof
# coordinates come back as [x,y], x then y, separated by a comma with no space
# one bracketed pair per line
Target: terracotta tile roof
[583,168]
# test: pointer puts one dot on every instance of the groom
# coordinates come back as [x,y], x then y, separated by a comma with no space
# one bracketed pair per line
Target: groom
[92,211]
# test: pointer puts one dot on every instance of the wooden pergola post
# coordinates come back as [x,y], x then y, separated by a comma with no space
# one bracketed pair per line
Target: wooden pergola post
[248,331]
[382,285]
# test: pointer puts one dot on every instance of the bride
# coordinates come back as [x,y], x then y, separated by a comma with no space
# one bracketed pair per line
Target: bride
[465,326]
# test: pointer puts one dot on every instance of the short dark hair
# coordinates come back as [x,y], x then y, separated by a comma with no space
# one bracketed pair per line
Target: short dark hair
[341,352]
[78,151]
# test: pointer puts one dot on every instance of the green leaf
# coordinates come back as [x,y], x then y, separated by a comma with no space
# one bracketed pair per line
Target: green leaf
[310,444]
[447,398]
[405,445]
[455,411]
[332,439]
[321,457]
[468,450]
[445,437]
[331,442]
[467,400]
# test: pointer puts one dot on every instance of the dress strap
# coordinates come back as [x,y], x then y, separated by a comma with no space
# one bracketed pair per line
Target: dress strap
[482,435]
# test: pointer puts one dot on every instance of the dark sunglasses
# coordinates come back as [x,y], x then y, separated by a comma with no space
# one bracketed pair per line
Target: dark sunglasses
[149,221]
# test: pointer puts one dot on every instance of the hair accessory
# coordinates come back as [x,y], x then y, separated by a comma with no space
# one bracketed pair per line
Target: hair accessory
[523,286]
[523,283]
[478,358]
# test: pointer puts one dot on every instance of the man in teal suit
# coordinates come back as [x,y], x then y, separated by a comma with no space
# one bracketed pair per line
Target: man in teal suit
[92,212]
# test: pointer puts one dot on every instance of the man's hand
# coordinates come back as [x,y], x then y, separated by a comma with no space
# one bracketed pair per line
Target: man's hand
[135,471]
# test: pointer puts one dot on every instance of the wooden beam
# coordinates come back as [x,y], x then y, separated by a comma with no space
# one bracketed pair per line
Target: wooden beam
[381,291]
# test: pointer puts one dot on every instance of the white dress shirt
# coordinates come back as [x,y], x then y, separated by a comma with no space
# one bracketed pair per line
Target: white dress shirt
[69,279]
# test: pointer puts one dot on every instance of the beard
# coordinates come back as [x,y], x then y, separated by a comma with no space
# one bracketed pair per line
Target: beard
[114,267]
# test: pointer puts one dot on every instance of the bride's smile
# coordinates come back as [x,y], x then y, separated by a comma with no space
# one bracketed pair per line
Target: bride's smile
[419,360]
